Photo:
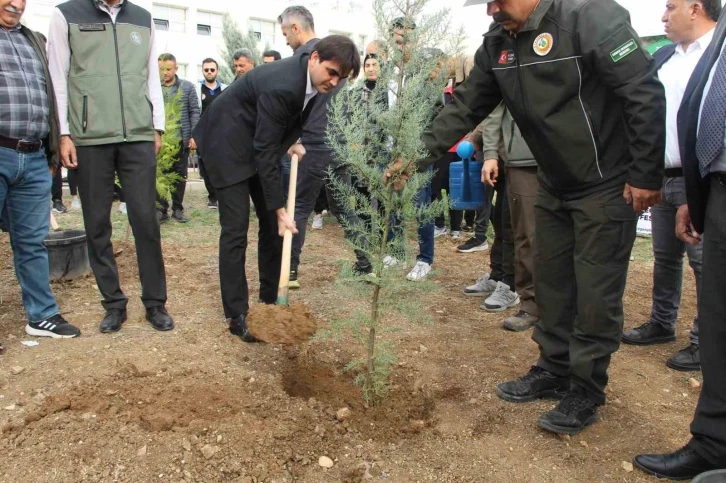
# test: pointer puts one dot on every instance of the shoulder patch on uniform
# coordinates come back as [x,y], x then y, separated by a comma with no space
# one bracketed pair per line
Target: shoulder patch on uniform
[624,50]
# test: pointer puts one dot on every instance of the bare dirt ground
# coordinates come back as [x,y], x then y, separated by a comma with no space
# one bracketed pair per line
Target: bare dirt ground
[198,405]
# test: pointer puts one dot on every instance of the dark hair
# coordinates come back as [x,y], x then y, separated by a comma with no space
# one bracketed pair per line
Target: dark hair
[167,56]
[402,23]
[272,53]
[712,8]
[301,14]
[246,53]
[340,49]
[209,60]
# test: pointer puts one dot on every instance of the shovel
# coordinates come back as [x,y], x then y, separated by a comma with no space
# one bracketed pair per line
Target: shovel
[282,323]
[282,287]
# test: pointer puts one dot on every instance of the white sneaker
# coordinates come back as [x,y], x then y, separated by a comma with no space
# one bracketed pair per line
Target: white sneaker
[390,262]
[76,203]
[122,208]
[440,231]
[456,235]
[419,271]
[502,299]
[318,222]
[483,287]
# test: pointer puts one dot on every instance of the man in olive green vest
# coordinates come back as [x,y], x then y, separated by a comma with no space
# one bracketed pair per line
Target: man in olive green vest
[104,70]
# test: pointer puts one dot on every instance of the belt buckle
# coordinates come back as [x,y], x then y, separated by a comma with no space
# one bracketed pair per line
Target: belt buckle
[27,146]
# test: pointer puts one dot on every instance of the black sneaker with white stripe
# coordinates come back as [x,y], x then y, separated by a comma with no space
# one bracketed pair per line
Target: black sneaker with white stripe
[56,327]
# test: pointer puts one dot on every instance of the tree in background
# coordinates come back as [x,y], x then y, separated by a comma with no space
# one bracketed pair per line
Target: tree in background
[366,137]
[234,40]
[170,143]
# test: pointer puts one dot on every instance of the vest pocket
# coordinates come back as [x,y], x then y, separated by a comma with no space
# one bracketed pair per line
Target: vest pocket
[85,113]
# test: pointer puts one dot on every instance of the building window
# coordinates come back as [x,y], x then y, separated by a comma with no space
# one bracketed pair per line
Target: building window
[264,30]
[340,32]
[162,25]
[170,19]
[209,23]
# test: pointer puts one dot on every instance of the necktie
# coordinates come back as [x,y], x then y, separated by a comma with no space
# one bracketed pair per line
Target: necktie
[713,120]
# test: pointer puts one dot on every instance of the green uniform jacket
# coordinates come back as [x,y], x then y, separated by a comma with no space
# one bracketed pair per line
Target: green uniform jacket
[581,88]
[108,79]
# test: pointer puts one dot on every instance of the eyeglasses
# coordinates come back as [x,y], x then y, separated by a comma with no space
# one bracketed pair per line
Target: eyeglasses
[210,70]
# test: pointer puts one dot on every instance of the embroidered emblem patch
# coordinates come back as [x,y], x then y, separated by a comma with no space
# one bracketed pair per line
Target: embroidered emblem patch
[543,44]
[506,57]
[136,38]
[624,50]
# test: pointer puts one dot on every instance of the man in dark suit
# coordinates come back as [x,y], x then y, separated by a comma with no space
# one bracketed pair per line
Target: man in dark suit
[701,127]
[690,25]
[242,138]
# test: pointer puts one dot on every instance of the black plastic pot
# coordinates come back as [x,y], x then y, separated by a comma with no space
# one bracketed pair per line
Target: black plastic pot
[67,254]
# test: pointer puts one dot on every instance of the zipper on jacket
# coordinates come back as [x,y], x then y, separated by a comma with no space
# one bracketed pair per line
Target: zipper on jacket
[511,140]
[118,71]
[520,75]
[85,113]
[590,125]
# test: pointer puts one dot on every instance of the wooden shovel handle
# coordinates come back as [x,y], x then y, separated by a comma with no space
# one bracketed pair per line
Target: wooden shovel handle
[282,288]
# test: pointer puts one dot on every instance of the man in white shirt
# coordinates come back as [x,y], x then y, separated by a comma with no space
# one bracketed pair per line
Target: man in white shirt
[111,111]
[690,25]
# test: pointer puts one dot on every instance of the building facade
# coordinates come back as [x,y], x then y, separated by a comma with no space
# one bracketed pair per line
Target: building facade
[192,29]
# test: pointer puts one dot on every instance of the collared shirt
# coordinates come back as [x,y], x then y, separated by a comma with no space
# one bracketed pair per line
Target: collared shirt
[718,165]
[23,96]
[59,53]
[310,92]
[112,11]
[674,75]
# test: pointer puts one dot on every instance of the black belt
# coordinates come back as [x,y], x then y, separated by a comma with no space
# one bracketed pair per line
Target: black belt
[20,146]
[673,173]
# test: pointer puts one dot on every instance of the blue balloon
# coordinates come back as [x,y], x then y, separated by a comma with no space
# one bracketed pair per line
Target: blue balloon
[465,150]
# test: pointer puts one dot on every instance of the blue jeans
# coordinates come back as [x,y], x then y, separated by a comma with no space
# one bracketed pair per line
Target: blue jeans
[425,230]
[25,184]
[668,251]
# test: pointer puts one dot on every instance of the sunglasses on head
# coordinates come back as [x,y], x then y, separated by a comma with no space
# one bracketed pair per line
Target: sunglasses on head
[210,70]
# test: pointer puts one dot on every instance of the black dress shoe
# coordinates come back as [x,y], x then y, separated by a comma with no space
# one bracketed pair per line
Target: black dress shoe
[684,464]
[648,334]
[536,384]
[238,327]
[574,413]
[159,318]
[178,215]
[113,320]
[685,360]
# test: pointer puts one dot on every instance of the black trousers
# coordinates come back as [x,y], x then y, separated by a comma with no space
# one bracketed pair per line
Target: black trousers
[135,164]
[321,203]
[57,187]
[211,191]
[234,217]
[501,255]
[582,251]
[441,182]
[709,424]
[311,175]
[180,167]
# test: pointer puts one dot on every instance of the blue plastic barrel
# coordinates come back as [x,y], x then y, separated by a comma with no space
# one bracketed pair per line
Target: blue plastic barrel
[465,187]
